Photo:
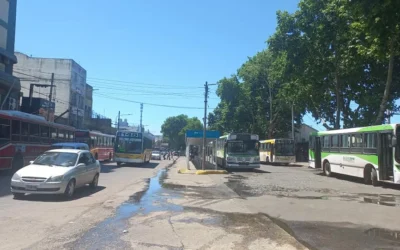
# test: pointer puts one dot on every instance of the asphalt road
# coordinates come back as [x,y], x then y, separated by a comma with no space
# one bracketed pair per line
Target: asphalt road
[322,212]
[49,221]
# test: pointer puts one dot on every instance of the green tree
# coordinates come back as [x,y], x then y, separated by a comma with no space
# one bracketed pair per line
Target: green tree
[174,129]
[377,30]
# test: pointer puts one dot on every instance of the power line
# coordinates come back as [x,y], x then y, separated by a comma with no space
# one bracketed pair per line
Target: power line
[150,104]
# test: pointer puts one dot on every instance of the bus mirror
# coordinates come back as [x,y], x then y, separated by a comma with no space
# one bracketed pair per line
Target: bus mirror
[394,141]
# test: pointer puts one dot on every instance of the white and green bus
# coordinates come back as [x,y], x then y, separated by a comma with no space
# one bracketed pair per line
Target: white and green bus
[238,150]
[371,153]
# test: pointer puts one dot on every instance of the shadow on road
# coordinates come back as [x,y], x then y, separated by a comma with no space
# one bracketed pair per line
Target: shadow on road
[359,180]
[79,193]
[105,169]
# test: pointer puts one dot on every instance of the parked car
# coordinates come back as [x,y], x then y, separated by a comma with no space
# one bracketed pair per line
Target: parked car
[58,171]
[156,155]
[70,145]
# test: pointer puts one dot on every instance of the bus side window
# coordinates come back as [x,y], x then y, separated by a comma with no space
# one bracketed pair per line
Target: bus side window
[16,130]
[72,136]
[44,132]
[5,129]
[34,131]
[370,142]
[24,131]
[53,135]
[356,143]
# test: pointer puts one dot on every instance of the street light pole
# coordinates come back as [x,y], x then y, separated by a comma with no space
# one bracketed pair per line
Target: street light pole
[205,126]
[119,114]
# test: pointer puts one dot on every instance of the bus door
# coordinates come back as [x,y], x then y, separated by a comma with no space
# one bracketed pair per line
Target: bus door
[272,152]
[385,156]
[317,152]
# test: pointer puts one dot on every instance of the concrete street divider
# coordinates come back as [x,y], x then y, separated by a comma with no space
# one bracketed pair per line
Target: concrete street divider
[201,172]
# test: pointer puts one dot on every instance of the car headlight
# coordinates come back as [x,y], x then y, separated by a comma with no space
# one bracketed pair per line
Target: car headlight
[56,178]
[16,177]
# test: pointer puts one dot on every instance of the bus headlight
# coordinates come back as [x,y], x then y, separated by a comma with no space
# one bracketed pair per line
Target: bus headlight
[230,159]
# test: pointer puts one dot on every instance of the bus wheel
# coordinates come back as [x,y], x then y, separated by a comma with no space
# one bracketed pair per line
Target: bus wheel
[118,163]
[374,177]
[327,169]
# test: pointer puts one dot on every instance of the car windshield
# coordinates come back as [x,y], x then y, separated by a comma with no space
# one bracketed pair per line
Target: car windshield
[240,147]
[62,159]
[128,145]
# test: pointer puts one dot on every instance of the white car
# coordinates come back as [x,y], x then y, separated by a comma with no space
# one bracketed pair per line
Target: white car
[58,171]
[155,155]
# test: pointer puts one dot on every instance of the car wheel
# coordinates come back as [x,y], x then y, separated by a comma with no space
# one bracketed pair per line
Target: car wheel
[18,196]
[70,189]
[95,181]
[118,163]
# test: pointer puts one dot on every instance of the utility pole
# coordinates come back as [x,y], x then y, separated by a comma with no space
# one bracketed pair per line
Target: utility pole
[8,93]
[205,125]
[50,96]
[141,130]
[388,116]
[141,113]
[293,121]
[119,115]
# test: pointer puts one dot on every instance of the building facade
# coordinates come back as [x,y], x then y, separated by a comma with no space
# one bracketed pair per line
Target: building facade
[10,87]
[69,90]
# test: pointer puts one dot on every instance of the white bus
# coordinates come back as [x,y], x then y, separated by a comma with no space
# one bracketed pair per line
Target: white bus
[238,150]
[133,147]
[371,153]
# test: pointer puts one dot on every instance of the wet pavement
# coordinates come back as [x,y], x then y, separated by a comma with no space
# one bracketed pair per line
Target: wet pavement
[321,212]
[167,215]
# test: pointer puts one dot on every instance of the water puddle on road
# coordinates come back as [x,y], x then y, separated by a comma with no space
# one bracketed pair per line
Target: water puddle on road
[108,233]
[238,184]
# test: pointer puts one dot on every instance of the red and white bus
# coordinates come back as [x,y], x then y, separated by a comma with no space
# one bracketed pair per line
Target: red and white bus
[101,145]
[24,136]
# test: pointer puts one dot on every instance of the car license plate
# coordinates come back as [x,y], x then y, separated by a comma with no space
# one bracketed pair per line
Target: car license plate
[31,187]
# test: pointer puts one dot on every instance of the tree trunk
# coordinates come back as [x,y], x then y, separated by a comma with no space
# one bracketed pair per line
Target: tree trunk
[338,101]
[385,98]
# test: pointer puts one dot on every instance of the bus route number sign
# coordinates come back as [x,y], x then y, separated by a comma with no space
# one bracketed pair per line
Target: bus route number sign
[129,134]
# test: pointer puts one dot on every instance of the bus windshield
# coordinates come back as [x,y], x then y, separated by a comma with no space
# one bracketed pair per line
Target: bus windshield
[125,145]
[240,147]
[284,148]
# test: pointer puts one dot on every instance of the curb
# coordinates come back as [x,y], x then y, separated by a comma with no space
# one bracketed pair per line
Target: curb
[185,171]
[203,172]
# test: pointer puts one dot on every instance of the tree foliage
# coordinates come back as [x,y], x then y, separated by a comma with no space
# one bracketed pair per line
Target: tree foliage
[174,129]
[337,59]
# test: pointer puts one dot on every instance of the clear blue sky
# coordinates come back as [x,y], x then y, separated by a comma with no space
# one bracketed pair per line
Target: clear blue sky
[159,51]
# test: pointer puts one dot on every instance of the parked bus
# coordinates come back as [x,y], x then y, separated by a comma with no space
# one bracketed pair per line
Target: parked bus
[133,147]
[277,151]
[101,145]
[238,150]
[24,136]
[371,153]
